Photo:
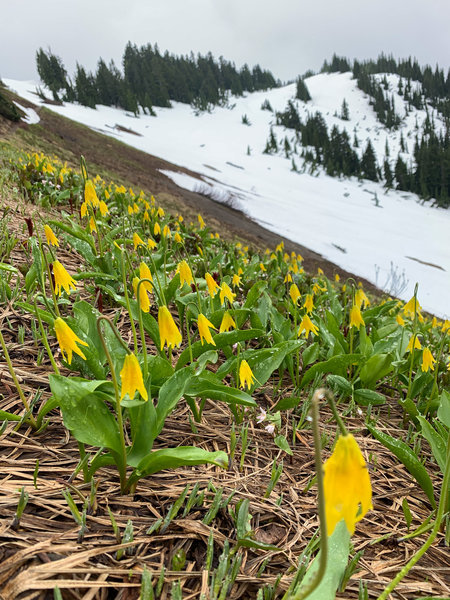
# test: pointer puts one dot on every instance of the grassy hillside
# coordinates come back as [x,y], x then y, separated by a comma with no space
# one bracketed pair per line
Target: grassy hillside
[158,386]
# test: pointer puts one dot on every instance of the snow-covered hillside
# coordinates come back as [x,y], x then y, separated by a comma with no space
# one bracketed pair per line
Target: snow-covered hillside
[356,224]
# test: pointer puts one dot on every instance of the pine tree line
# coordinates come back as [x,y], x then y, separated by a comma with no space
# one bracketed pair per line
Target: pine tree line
[150,79]
[428,177]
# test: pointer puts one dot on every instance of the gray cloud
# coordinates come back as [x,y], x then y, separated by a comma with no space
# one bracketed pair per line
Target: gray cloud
[286,36]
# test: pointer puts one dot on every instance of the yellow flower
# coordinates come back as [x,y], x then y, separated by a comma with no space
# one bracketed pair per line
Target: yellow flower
[445,325]
[137,240]
[151,243]
[130,209]
[103,208]
[107,195]
[144,301]
[356,319]
[68,340]
[246,376]
[201,221]
[50,236]
[177,238]
[135,208]
[361,300]
[160,212]
[168,331]
[144,273]
[400,320]
[83,209]
[62,278]
[294,293]
[157,229]
[427,360]
[203,329]
[288,278]
[90,195]
[307,326]
[92,225]
[146,216]
[227,322]
[225,292]
[347,488]
[417,345]
[166,231]
[212,285]
[236,280]
[337,278]
[262,267]
[131,376]
[308,303]
[185,273]
[411,307]
[319,271]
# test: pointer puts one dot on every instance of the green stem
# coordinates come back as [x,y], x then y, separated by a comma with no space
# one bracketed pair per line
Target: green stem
[437,523]
[141,324]
[330,399]
[83,462]
[55,301]
[127,301]
[305,592]
[123,462]
[31,418]
[44,338]
[414,340]
[161,291]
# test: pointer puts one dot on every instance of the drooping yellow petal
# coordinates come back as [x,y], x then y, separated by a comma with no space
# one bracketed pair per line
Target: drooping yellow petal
[307,326]
[168,331]
[204,326]
[50,236]
[308,304]
[246,376]
[131,376]
[62,278]
[185,273]
[411,307]
[213,287]
[144,301]
[103,208]
[68,340]
[356,319]
[294,293]
[227,322]
[427,360]
[414,340]
[137,240]
[347,488]
[144,273]
[90,195]
[225,292]
[361,300]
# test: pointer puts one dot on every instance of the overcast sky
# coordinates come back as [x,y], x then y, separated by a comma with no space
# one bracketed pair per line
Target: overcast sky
[286,36]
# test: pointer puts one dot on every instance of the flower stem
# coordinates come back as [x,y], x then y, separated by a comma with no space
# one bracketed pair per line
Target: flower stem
[31,418]
[127,301]
[141,324]
[44,338]
[123,462]
[306,591]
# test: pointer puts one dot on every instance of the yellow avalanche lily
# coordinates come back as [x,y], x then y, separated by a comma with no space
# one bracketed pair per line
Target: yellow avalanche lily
[246,376]
[356,319]
[168,331]
[185,273]
[227,322]
[203,328]
[144,301]
[212,285]
[347,488]
[62,278]
[131,376]
[306,326]
[225,292]
[427,360]
[68,340]
[50,236]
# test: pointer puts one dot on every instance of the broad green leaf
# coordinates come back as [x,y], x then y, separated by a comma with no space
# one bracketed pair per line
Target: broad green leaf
[377,367]
[365,397]
[338,552]
[444,408]
[169,395]
[172,458]
[287,403]
[143,431]
[436,441]
[84,411]
[336,365]
[405,455]
[254,293]
[283,444]
[208,386]
[76,233]
[311,353]
[341,384]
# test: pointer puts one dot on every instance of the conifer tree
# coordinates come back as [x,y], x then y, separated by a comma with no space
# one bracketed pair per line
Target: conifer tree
[302,91]
[369,163]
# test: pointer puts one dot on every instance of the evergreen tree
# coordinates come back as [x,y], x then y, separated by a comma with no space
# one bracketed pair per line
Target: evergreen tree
[388,176]
[51,71]
[369,163]
[302,91]
[345,114]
